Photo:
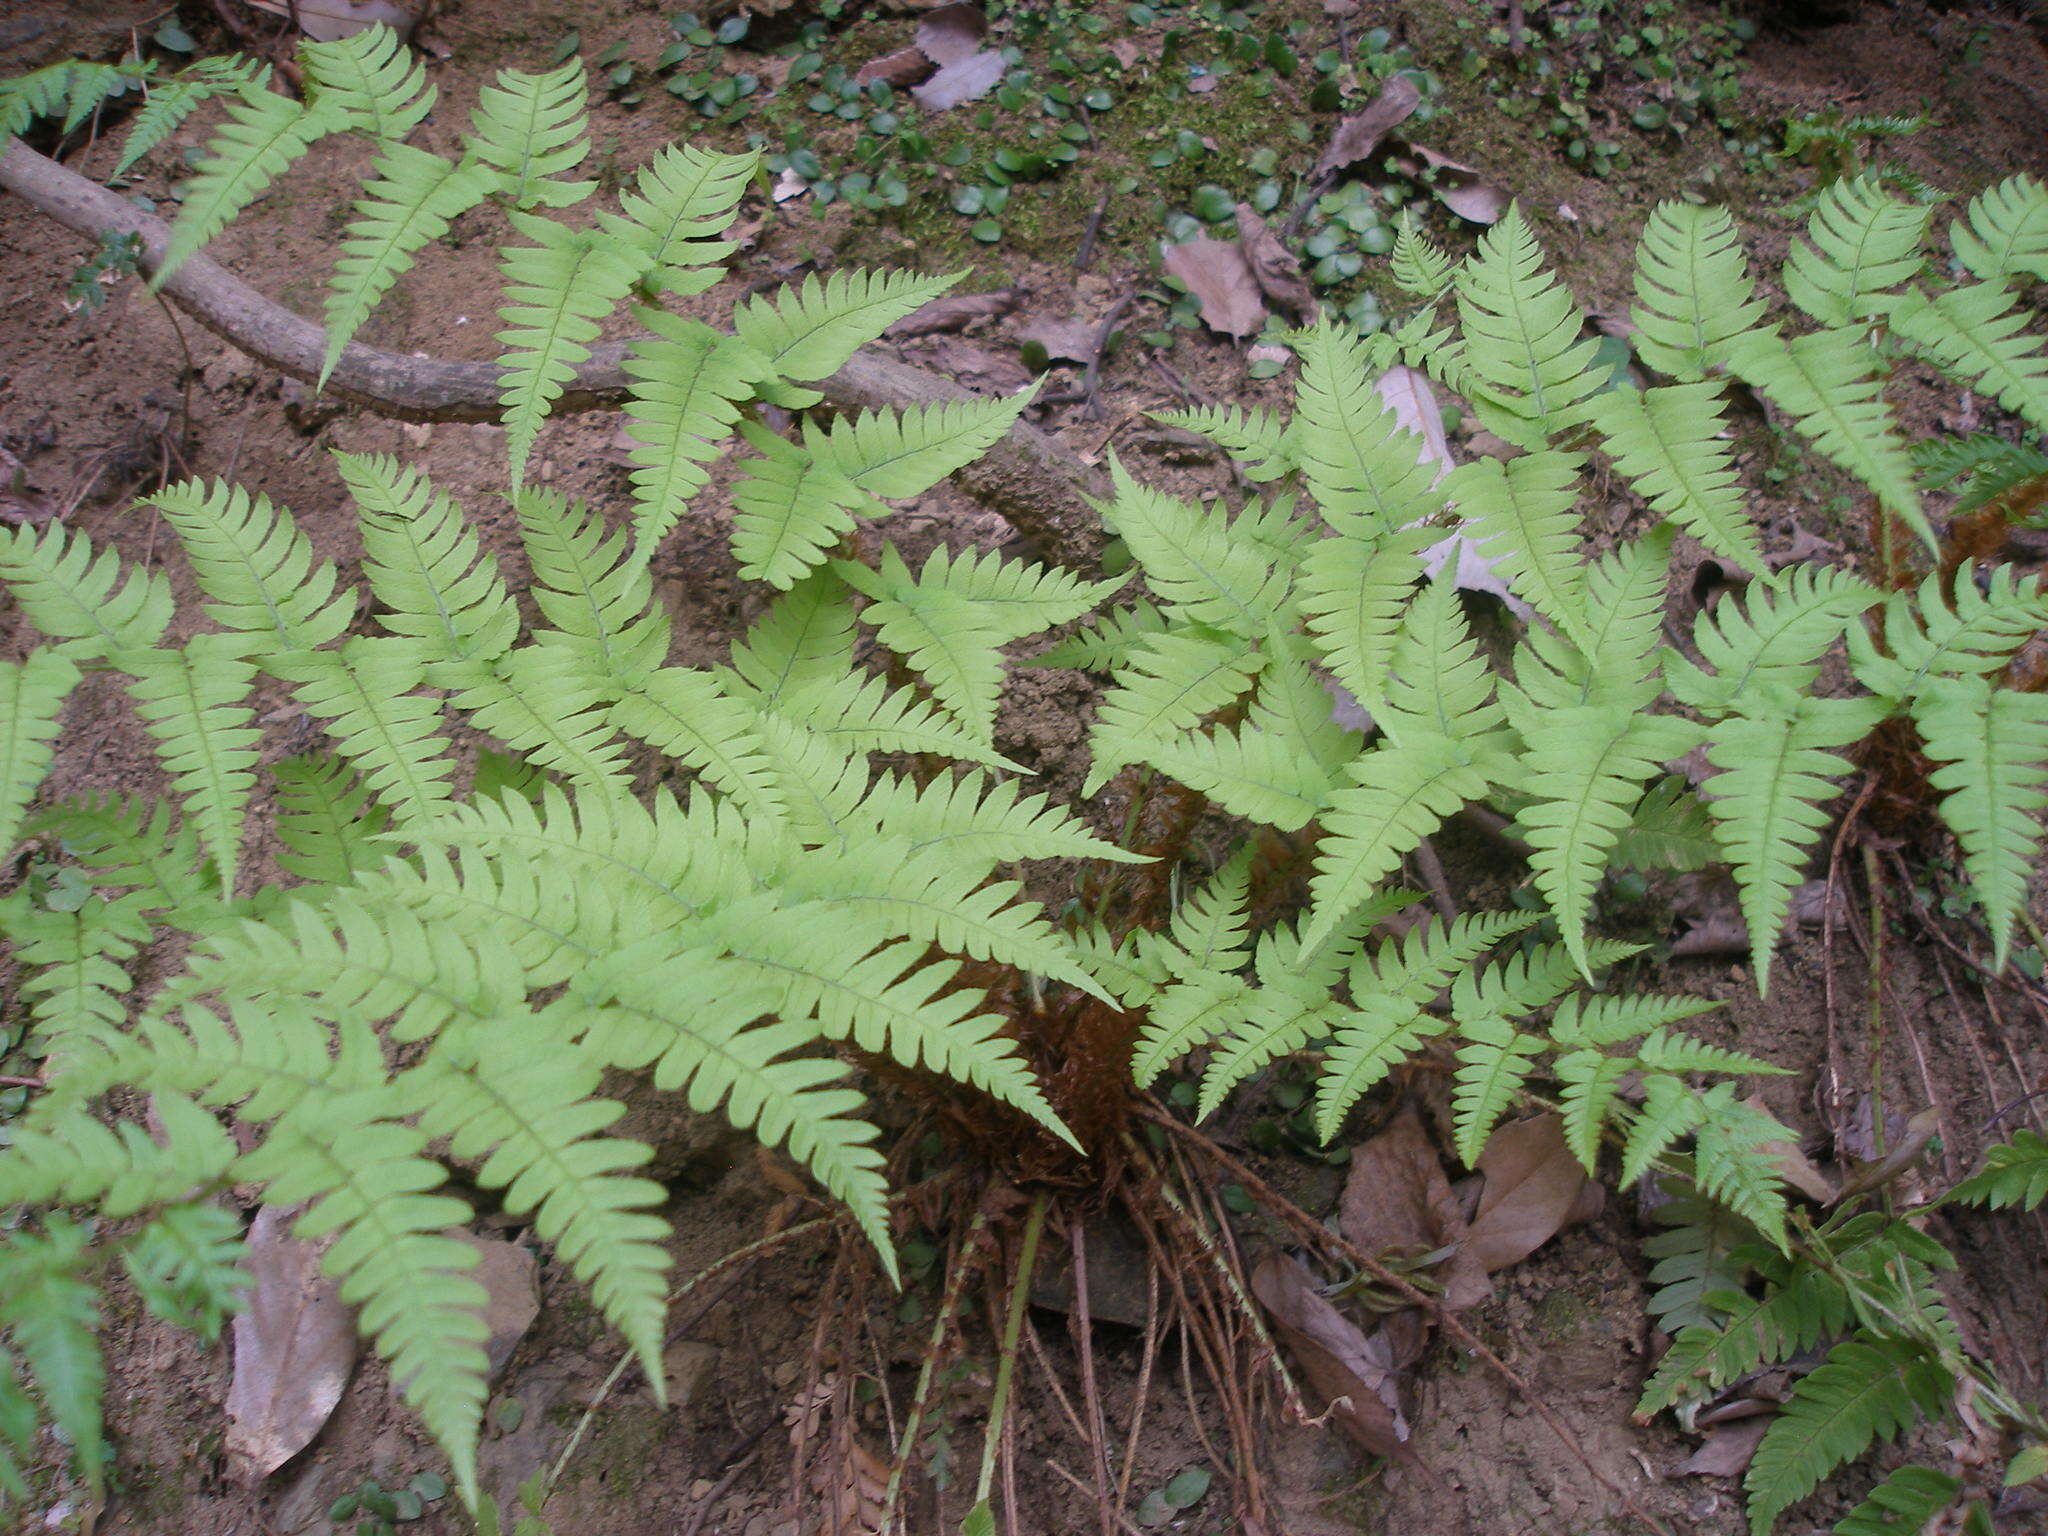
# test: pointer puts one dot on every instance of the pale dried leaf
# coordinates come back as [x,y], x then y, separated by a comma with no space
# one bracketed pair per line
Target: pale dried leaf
[1273,266]
[1794,1167]
[971,77]
[1405,391]
[951,33]
[1359,134]
[1533,1190]
[994,373]
[295,1345]
[1343,1368]
[327,20]
[1217,273]
[510,1277]
[1070,341]
[1460,188]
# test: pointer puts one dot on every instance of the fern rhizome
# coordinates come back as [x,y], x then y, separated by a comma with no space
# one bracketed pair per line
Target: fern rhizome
[712,877]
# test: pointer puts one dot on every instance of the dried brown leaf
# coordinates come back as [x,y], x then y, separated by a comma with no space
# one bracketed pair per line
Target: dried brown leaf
[968,78]
[1396,1199]
[1344,1368]
[295,1345]
[995,373]
[1727,1452]
[954,312]
[511,1281]
[1533,1189]
[1359,134]
[901,69]
[951,33]
[1273,266]
[1460,188]
[1794,1167]
[1217,273]
[1071,341]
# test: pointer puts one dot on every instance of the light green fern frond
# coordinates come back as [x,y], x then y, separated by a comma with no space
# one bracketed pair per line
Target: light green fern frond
[1773,638]
[168,103]
[1669,829]
[1863,243]
[688,383]
[2004,233]
[558,291]
[1694,296]
[1254,436]
[1669,442]
[810,332]
[327,821]
[789,510]
[363,694]
[1170,683]
[1743,1333]
[407,206]
[1949,628]
[1735,1160]
[1493,1062]
[2014,1173]
[1367,474]
[32,697]
[256,567]
[81,599]
[1829,385]
[682,201]
[80,950]
[1523,515]
[1013,598]
[1352,593]
[1191,560]
[195,702]
[1698,1253]
[546,707]
[587,584]
[1370,1041]
[1418,265]
[1904,1504]
[264,134]
[529,129]
[50,1312]
[139,846]
[1978,334]
[1522,336]
[1106,644]
[978,822]
[372,78]
[1776,771]
[1869,1389]
[689,717]
[1992,748]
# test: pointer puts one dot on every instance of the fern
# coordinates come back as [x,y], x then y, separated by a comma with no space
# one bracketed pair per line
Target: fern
[1863,243]
[32,696]
[2003,235]
[1694,296]
[2014,1173]
[1522,334]
[1866,1391]
[1901,1505]
[1668,442]
[528,129]
[1978,336]
[194,702]
[373,80]
[1521,516]
[80,599]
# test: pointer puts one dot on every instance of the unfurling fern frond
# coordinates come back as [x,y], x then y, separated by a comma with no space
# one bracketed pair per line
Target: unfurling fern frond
[372,79]
[1694,296]
[1868,1390]
[2014,1173]
[1992,745]
[529,129]
[264,134]
[2003,236]
[409,204]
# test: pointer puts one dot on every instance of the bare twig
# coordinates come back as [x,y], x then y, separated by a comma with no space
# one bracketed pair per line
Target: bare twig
[1086,253]
[1084,1342]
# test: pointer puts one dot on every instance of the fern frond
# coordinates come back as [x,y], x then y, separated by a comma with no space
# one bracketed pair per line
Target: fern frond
[1776,768]
[363,695]
[688,384]
[1697,1254]
[1352,594]
[327,822]
[1863,242]
[32,697]
[1669,442]
[1904,1504]
[410,202]
[1273,1022]
[79,599]
[1694,296]
[1746,1333]
[587,584]
[50,1311]
[810,332]
[1370,1041]
[77,992]
[186,1266]
[1012,597]
[1990,468]
[1493,1062]
[558,290]
[1926,634]
[1522,340]
[1254,436]
[1828,384]
[685,714]
[1191,560]
[1534,978]
[1418,265]
[547,708]
[264,133]
[1733,1160]
[525,1110]
[133,844]
[195,702]
[980,823]
[1522,514]
[2014,1173]
[1170,683]
[1868,1390]
[169,103]
[2006,236]
[529,129]
[372,79]
[1978,335]
[1669,829]
[805,639]
[369,1184]
[682,201]
[255,565]
[1773,638]
[1367,474]
[1992,748]
[789,510]
[861,713]
[1106,644]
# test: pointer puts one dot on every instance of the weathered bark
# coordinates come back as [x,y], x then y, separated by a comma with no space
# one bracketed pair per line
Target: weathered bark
[1039,487]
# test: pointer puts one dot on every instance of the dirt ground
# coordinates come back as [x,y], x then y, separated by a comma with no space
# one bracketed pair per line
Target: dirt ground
[93,405]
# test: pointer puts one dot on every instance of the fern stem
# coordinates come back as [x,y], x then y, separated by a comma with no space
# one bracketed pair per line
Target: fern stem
[1006,1360]
[1876,999]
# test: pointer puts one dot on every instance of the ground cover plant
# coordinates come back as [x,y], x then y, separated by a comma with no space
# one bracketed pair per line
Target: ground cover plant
[711,875]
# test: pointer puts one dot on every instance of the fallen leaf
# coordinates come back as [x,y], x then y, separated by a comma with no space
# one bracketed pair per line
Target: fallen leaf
[1359,134]
[994,373]
[1201,85]
[1397,1200]
[1794,1167]
[325,21]
[1533,1185]
[1071,341]
[1405,391]
[295,1345]
[954,312]
[787,186]
[1459,187]
[20,501]
[964,80]
[1217,273]
[903,68]
[1727,1452]
[951,33]
[1343,1367]
[1125,51]
[511,1281]
[1273,266]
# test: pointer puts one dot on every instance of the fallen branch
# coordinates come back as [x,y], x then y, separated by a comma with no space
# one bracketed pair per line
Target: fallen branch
[1039,487]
